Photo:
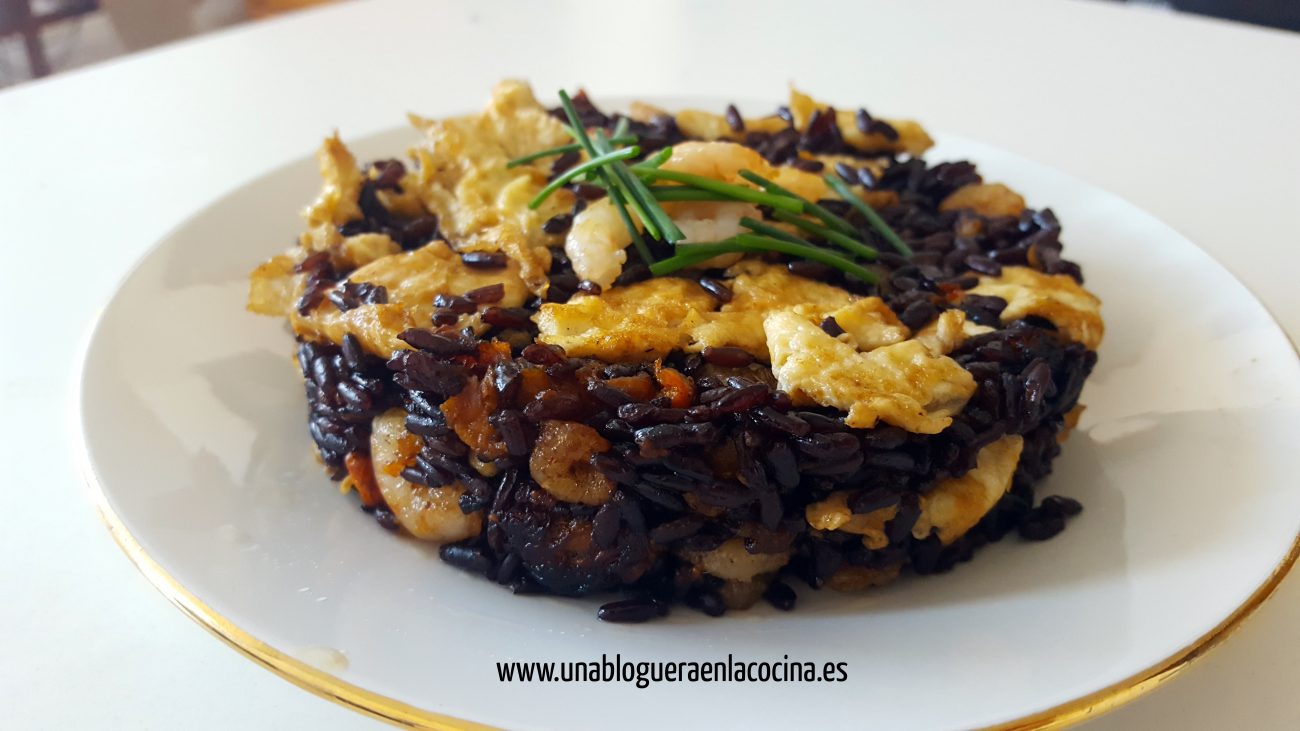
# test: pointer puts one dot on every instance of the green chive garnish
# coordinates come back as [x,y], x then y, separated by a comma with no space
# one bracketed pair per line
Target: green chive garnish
[685,260]
[575,125]
[655,161]
[557,151]
[638,241]
[573,172]
[652,215]
[620,202]
[835,237]
[606,167]
[769,230]
[678,193]
[696,253]
[870,214]
[629,195]
[810,207]
[736,192]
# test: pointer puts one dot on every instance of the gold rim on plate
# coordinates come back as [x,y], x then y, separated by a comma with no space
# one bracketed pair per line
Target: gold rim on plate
[404,715]
[295,671]
[401,714]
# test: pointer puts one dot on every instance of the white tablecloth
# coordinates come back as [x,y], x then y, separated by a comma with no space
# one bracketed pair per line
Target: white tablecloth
[1194,120]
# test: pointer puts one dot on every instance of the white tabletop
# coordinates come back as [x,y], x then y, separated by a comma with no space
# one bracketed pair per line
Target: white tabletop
[1193,120]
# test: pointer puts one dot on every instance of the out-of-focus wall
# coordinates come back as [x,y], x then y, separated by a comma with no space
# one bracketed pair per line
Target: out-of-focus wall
[118,27]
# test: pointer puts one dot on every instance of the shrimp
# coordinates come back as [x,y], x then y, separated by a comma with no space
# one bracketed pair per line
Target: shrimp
[428,513]
[724,161]
[733,562]
[717,160]
[707,222]
[598,238]
[596,242]
[561,462]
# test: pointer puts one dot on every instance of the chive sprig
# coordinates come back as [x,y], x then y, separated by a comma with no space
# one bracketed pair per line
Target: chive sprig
[638,188]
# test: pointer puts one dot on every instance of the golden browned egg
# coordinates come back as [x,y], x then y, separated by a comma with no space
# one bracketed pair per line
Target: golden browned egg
[902,384]
[1054,297]
[948,510]
[490,364]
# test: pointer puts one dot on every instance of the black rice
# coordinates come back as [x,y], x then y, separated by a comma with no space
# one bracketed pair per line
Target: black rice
[737,459]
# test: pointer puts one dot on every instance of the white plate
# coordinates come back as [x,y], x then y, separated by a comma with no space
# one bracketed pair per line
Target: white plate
[193,418]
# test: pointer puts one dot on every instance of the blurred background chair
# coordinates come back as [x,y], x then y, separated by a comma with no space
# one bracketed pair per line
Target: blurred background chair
[40,37]
[27,18]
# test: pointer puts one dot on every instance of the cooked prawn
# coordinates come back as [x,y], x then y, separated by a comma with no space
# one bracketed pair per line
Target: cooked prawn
[561,462]
[724,161]
[717,160]
[707,222]
[596,242]
[428,513]
[733,562]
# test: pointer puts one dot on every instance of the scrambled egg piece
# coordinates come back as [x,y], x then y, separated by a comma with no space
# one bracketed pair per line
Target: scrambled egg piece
[956,504]
[902,384]
[950,509]
[833,513]
[649,319]
[534,261]
[463,176]
[709,126]
[362,249]
[640,322]
[986,199]
[948,331]
[1055,297]
[273,286]
[337,203]
[412,279]
[868,323]
[912,137]
[759,288]
[405,200]
[732,562]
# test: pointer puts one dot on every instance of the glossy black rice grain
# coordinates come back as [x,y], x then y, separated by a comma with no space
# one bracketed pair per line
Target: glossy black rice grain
[740,461]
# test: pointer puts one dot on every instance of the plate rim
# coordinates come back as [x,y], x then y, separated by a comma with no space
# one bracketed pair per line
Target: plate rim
[390,710]
[398,713]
